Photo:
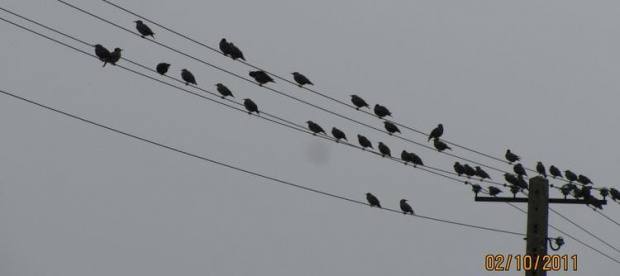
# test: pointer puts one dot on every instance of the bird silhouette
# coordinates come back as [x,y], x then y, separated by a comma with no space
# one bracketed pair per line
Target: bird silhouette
[358,102]
[373,201]
[511,157]
[469,171]
[512,179]
[162,68]
[261,77]
[364,142]
[440,145]
[384,150]
[555,172]
[102,53]
[301,79]
[540,168]
[390,127]
[571,176]
[481,173]
[415,159]
[436,132]
[405,207]
[225,47]
[250,106]
[144,30]
[493,191]
[188,77]
[584,179]
[235,52]
[458,168]
[382,111]
[114,57]
[315,128]
[338,134]
[224,91]
[615,194]
[404,155]
[519,170]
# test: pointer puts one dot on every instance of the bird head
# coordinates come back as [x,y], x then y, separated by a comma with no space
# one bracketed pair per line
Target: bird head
[183,70]
[117,49]
[309,122]
[138,21]
[403,200]
[368,194]
[224,40]
[218,85]
[295,73]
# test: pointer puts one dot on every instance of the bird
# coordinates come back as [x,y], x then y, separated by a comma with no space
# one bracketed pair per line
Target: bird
[301,79]
[364,142]
[391,127]
[143,29]
[555,171]
[404,155]
[493,191]
[518,169]
[373,200]
[511,157]
[584,179]
[250,106]
[512,179]
[338,134]
[358,102]
[458,168]
[540,168]
[261,77]
[440,145]
[102,53]
[615,194]
[382,111]
[571,176]
[224,91]
[436,132]
[521,182]
[188,77]
[235,52]
[225,47]
[114,57]
[415,159]
[481,173]
[384,150]
[476,188]
[469,171]
[405,207]
[162,68]
[315,128]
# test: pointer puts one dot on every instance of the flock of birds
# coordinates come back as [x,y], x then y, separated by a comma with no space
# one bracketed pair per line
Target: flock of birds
[517,181]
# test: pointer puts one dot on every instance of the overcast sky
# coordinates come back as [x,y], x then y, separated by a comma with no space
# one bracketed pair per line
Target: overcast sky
[538,77]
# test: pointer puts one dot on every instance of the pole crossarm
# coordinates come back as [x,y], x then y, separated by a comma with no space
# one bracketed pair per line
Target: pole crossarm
[551,200]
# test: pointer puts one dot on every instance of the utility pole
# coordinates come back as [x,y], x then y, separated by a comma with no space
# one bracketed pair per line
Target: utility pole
[538,221]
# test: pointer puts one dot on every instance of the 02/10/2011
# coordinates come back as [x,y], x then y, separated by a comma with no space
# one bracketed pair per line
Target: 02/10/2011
[501,262]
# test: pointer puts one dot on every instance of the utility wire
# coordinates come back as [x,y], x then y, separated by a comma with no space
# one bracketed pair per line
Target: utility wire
[584,230]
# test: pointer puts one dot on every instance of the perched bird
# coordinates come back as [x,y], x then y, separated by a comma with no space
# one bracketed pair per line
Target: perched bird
[440,145]
[571,176]
[384,150]
[555,171]
[584,179]
[405,156]
[615,194]
[364,142]
[540,168]
[162,68]
[338,134]
[476,188]
[522,183]
[358,102]
[225,47]
[188,77]
[382,111]
[143,29]
[373,200]
[436,132]
[301,79]
[315,128]
[102,53]
[114,57]
[481,173]
[405,207]
[261,77]
[519,170]
[469,171]
[510,178]
[493,191]
[224,91]
[235,52]
[415,159]
[390,127]
[458,168]
[511,157]
[250,106]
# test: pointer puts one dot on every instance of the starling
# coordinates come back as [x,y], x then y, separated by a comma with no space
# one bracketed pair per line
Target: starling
[144,30]
[188,77]
[405,207]
[250,106]
[162,68]
[440,145]
[224,91]
[615,194]
[415,159]
[235,53]
[358,102]
[469,171]
[384,150]
[301,79]
[225,47]
[261,77]
[481,173]
[364,142]
[511,157]
[540,168]
[382,111]
[510,178]
[555,171]
[584,179]
[390,127]
[338,134]
[571,176]
[436,133]
[373,200]
[405,156]
[315,128]
[522,183]
[114,57]
[102,53]
[518,169]
[458,168]
[493,191]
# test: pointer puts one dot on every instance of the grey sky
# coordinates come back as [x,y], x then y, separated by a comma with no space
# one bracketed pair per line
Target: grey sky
[538,77]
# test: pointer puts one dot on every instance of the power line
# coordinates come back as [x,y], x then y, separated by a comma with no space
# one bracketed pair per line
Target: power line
[584,230]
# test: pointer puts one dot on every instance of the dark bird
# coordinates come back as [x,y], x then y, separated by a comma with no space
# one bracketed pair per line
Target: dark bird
[522,183]
[458,168]
[571,176]
[469,171]
[440,145]
[188,77]
[615,194]
[436,132]
[476,188]
[511,157]
[382,111]
[250,106]
[518,169]
[143,29]
[584,179]
[102,53]
[493,191]
[114,57]
[540,168]
[358,102]
[415,159]
[373,200]
[235,52]
[481,173]
[338,134]
[512,179]
[405,207]
[384,150]
[225,47]
[390,127]
[315,128]
[555,171]
[301,79]
[224,91]
[364,142]
[405,156]
[162,68]
[261,77]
